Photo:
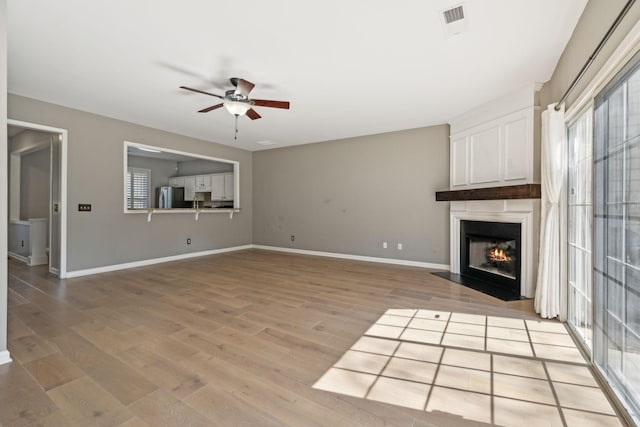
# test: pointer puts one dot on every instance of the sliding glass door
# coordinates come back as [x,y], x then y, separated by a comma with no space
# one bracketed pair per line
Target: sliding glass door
[580,225]
[616,336]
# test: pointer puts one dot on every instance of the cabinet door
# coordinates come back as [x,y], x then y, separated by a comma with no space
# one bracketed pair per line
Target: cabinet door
[189,187]
[203,183]
[228,186]
[176,181]
[217,187]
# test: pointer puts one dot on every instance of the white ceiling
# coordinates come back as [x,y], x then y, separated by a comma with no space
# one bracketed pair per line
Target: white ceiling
[349,68]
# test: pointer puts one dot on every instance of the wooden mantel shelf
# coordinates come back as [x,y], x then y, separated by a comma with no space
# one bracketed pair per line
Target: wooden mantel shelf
[524,191]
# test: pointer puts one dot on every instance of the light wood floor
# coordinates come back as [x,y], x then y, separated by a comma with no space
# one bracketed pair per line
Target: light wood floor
[234,339]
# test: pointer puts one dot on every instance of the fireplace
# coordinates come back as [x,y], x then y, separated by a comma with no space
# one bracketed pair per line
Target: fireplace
[491,252]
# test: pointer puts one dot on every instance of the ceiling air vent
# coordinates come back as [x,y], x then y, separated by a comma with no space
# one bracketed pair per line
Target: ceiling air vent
[453,15]
[455,21]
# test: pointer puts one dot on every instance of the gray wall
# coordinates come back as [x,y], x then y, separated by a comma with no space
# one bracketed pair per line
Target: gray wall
[35,184]
[349,196]
[596,19]
[28,140]
[161,170]
[201,166]
[107,236]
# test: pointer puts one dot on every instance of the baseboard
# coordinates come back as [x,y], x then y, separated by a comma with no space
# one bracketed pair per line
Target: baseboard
[356,257]
[146,262]
[5,357]
[18,257]
[39,260]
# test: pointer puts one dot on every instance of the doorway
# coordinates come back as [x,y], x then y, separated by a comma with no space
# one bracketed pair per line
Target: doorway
[37,194]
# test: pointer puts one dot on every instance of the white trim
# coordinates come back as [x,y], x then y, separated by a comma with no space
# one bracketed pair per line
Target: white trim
[146,262]
[19,257]
[63,185]
[356,257]
[524,212]
[15,164]
[5,357]
[623,54]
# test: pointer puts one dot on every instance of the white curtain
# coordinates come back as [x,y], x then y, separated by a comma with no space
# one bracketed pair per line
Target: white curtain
[547,300]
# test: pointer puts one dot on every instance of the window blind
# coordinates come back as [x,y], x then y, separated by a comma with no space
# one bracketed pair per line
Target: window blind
[138,183]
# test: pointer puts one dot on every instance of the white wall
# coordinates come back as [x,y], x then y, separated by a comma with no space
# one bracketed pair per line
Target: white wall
[4,187]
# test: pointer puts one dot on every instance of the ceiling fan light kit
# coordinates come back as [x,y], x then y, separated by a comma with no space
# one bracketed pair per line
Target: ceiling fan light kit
[237,108]
[237,103]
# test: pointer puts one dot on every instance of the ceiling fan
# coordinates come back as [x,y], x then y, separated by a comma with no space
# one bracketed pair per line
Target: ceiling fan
[237,101]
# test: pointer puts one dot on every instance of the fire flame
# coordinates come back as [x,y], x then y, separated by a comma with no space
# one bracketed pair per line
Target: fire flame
[497,254]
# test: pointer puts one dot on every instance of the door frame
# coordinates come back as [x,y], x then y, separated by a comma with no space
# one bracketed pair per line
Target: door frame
[62,271]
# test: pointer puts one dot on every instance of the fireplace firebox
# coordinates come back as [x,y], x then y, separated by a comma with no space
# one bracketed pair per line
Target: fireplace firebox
[490,252]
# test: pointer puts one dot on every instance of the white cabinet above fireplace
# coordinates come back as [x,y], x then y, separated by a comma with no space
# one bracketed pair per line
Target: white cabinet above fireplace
[494,145]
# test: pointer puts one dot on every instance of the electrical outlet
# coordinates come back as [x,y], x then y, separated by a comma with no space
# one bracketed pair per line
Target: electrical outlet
[84,207]
[399,246]
[384,245]
[293,238]
[189,241]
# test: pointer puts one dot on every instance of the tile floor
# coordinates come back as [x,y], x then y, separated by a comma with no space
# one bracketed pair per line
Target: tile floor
[496,370]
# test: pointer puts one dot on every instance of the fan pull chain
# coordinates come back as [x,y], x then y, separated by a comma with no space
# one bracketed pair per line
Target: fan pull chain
[235,136]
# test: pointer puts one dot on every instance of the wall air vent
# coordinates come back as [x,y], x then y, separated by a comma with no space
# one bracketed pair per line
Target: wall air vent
[455,20]
[453,15]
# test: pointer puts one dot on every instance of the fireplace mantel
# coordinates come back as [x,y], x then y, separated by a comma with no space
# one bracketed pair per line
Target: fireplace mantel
[506,192]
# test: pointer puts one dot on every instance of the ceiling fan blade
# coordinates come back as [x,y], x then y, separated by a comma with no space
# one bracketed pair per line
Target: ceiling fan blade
[201,91]
[243,87]
[213,107]
[253,114]
[272,104]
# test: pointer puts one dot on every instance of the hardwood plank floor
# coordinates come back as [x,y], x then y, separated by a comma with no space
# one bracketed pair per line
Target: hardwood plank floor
[235,339]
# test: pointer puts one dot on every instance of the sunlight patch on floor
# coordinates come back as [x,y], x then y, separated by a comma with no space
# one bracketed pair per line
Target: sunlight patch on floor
[490,369]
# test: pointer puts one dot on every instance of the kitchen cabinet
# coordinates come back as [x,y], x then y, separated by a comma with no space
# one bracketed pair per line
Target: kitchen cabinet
[203,183]
[222,187]
[176,181]
[229,188]
[189,187]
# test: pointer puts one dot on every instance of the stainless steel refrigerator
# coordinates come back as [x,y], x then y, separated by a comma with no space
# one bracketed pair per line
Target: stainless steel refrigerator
[170,197]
